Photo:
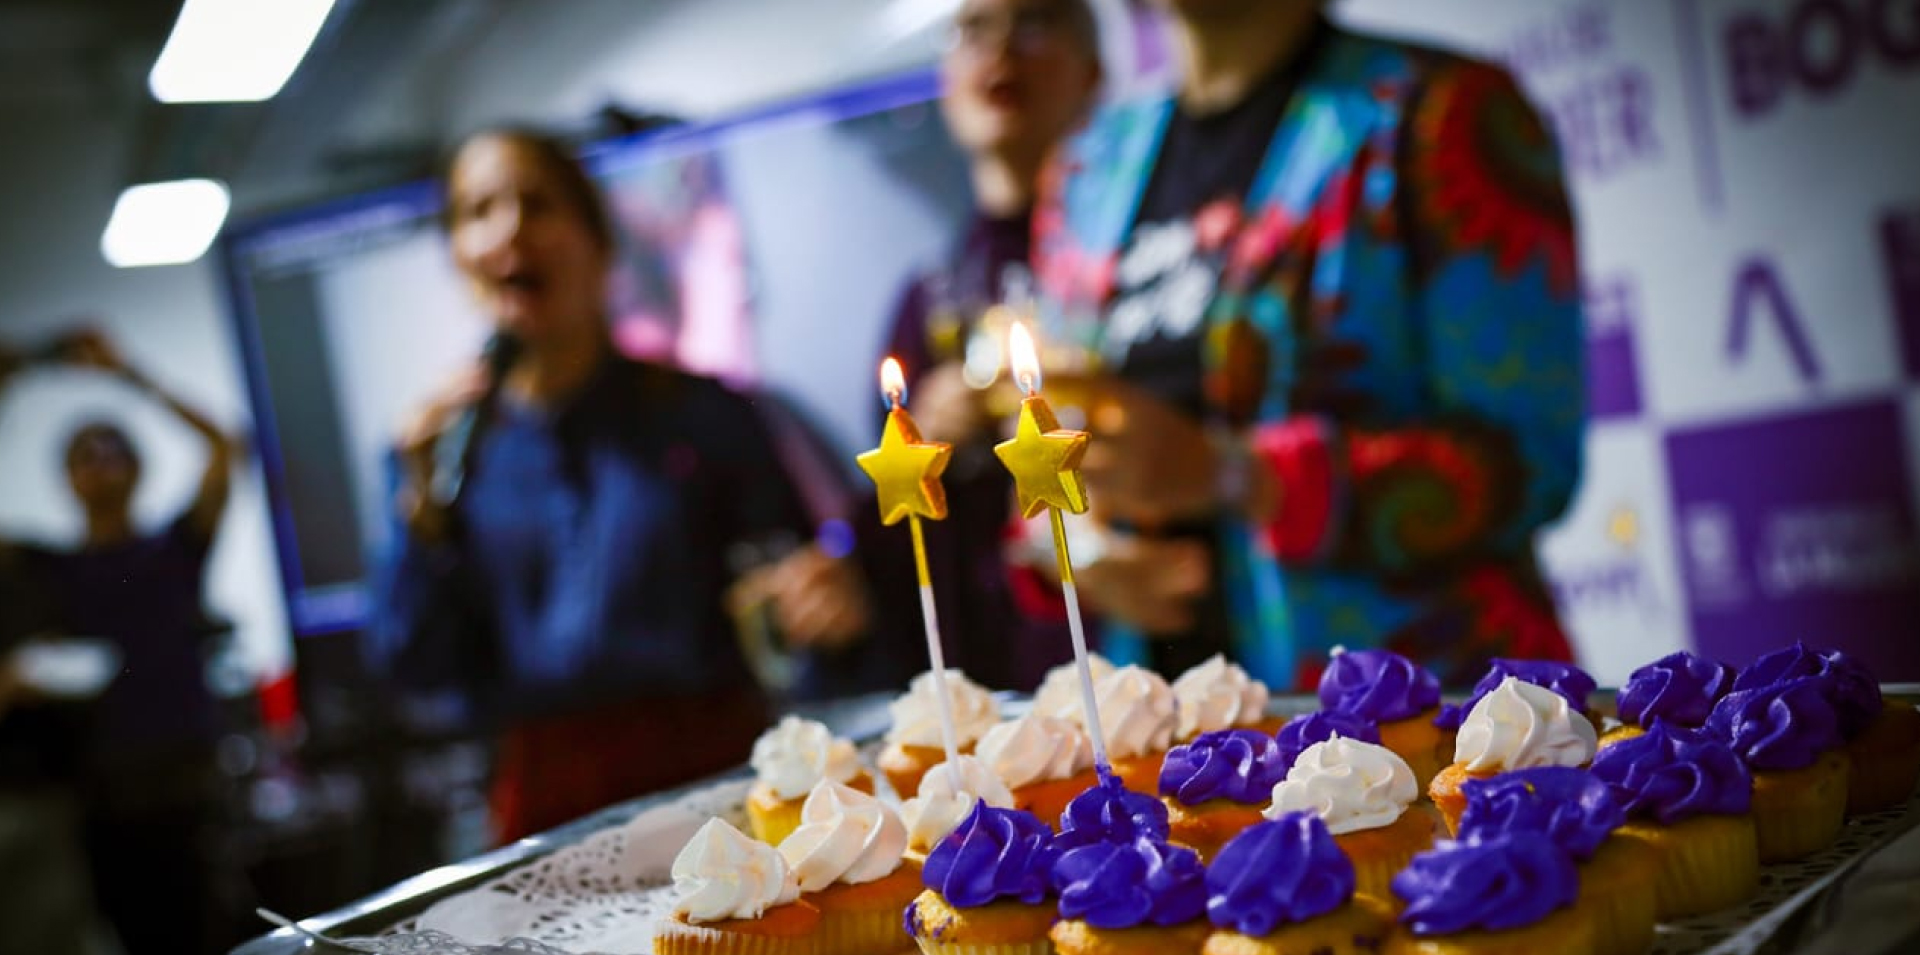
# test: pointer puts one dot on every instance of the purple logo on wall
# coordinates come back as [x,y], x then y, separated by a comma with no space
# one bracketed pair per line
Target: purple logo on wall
[1900,242]
[1613,376]
[1800,527]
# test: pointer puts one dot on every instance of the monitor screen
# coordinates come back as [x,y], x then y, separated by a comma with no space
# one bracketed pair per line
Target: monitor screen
[767,250]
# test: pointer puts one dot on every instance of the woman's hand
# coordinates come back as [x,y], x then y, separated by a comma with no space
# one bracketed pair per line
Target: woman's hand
[819,602]
[424,517]
[945,407]
[1149,465]
[1153,585]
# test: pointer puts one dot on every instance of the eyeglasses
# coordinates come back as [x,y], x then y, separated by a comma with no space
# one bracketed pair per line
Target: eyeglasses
[1027,31]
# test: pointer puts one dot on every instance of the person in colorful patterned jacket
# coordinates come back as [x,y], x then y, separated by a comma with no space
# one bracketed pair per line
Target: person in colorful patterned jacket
[1341,346]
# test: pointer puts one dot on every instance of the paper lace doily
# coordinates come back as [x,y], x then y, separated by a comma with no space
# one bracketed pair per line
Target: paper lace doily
[604,895]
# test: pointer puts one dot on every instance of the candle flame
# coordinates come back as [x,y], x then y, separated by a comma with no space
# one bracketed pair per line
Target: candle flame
[893,382]
[1021,355]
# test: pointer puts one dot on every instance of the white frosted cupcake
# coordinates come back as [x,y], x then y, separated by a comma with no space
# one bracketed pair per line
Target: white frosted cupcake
[1139,714]
[947,795]
[1059,692]
[1045,762]
[788,761]
[848,857]
[1517,726]
[1365,794]
[736,895]
[1218,695]
[914,744]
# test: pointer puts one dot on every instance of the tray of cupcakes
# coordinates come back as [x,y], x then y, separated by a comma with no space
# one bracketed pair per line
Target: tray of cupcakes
[1693,811]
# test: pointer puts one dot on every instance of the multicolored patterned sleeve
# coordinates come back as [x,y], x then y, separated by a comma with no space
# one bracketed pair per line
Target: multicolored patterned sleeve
[1481,227]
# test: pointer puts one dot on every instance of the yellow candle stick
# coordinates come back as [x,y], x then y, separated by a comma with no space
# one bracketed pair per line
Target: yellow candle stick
[1045,461]
[906,472]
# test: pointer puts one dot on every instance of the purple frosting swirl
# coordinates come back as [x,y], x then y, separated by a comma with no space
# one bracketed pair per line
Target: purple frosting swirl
[1778,726]
[1503,882]
[1570,806]
[1672,773]
[1123,884]
[1285,870]
[1238,765]
[1848,686]
[1568,680]
[1110,812]
[1680,688]
[1378,684]
[1318,727]
[994,854]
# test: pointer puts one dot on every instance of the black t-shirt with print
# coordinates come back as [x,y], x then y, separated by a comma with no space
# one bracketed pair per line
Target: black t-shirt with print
[1169,270]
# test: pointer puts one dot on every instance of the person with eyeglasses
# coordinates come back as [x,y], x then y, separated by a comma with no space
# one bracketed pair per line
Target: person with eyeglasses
[1016,77]
[1342,346]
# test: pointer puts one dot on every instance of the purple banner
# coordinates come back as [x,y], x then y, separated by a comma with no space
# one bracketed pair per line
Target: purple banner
[1900,243]
[1613,374]
[1800,528]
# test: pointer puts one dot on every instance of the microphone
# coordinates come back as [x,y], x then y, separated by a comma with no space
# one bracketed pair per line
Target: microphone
[453,450]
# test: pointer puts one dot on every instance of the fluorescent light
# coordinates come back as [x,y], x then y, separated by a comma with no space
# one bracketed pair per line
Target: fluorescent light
[164,223]
[234,51]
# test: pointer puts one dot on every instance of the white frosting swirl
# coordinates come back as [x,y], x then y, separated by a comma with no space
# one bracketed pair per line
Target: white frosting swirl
[796,754]
[845,836]
[1059,692]
[1137,711]
[916,716]
[1520,726]
[1351,785]
[947,794]
[1035,749]
[721,874]
[1217,695]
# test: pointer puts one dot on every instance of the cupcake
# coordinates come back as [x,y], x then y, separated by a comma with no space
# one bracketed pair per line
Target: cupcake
[1142,897]
[1110,812]
[1217,785]
[1579,813]
[1680,688]
[1364,794]
[1505,894]
[914,746]
[1283,887]
[736,896]
[1401,697]
[987,888]
[1882,737]
[1565,679]
[1518,725]
[1309,728]
[1138,715]
[1059,692]
[1217,695]
[788,761]
[947,796]
[1045,761]
[1789,735]
[1687,795]
[846,857]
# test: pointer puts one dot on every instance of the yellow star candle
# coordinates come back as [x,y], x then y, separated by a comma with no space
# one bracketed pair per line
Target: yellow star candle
[1045,461]
[906,473]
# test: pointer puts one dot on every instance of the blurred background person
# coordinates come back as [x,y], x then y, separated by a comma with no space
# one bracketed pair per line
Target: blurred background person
[1016,78]
[45,901]
[148,784]
[575,585]
[1342,343]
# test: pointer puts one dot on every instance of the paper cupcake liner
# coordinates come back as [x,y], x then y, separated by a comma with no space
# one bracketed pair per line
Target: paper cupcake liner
[1707,863]
[1797,813]
[1614,887]
[1565,932]
[929,946]
[678,938]
[863,933]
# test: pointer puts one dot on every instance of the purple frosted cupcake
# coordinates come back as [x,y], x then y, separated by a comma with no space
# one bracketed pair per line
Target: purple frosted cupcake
[1789,735]
[1402,699]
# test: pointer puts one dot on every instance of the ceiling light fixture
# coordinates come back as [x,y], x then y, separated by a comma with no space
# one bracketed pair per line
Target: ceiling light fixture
[164,223]
[234,51]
